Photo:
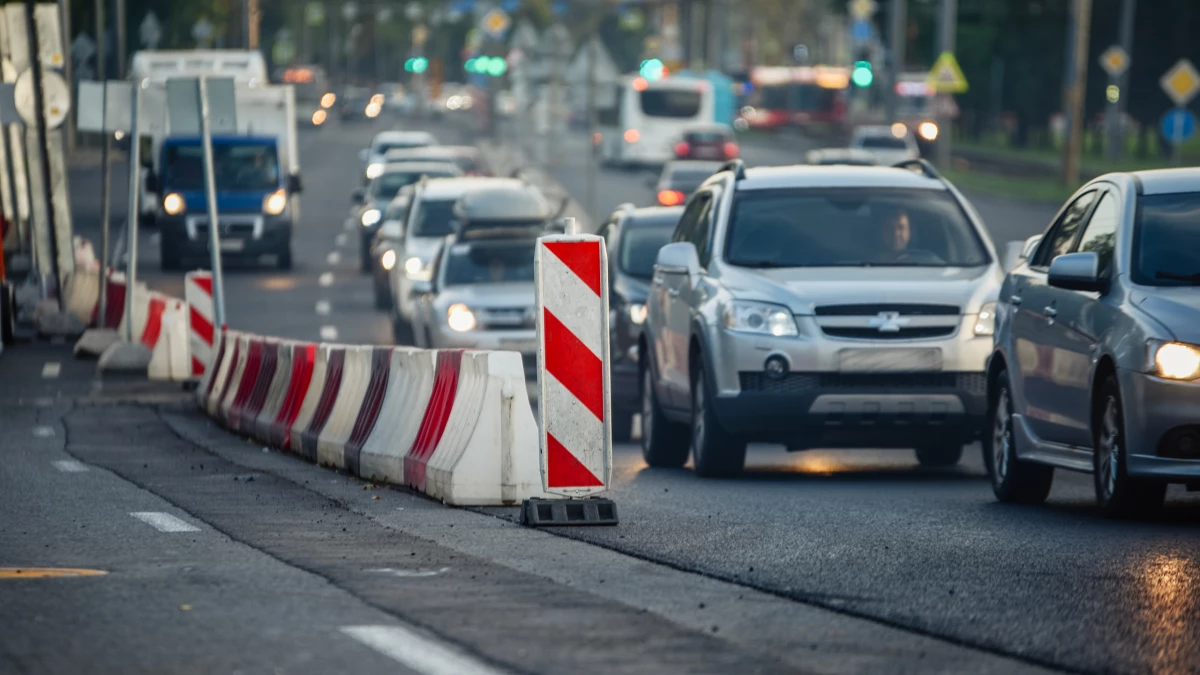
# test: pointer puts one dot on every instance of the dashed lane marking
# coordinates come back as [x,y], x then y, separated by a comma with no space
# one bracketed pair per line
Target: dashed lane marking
[323,307]
[43,432]
[51,370]
[164,522]
[326,279]
[329,333]
[333,258]
[341,240]
[69,466]
[420,653]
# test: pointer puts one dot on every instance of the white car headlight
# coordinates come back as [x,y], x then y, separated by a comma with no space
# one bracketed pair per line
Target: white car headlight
[388,259]
[370,217]
[985,322]
[1175,360]
[460,318]
[760,317]
[374,170]
[275,203]
[637,314]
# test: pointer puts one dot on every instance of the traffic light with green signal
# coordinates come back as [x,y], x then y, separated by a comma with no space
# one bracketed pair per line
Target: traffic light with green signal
[416,64]
[494,66]
[862,75]
[652,69]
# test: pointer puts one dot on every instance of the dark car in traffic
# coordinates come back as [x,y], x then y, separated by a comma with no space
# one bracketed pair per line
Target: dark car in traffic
[712,142]
[632,236]
[680,179]
[371,201]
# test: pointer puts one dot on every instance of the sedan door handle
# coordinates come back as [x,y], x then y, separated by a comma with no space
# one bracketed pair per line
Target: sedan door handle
[1050,312]
[673,292]
[1015,300]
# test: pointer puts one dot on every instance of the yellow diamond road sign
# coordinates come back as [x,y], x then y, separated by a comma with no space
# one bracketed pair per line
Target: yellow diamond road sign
[1181,82]
[1114,60]
[946,77]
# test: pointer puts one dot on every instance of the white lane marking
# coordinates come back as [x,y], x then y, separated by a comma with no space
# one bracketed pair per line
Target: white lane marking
[348,225]
[43,432]
[326,279]
[323,307]
[329,333]
[415,574]
[69,466]
[333,258]
[51,370]
[418,652]
[164,522]
[341,239]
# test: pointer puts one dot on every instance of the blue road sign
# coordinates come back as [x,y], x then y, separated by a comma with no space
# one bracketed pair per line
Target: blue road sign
[861,31]
[1178,125]
[510,6]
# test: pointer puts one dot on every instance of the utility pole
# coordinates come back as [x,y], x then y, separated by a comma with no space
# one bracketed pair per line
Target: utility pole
[1082,11]
[1116,135]
[591,121]
[947,32]
[119,22]
[898,23]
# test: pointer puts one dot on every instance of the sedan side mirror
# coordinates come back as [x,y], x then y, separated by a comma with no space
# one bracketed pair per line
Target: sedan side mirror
[1076,272]
[678,258]
[359,196]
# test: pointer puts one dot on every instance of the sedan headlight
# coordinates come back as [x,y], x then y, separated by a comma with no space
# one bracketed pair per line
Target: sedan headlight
[370,217]
[374,170]
[1175,360]
[637,314]
[388,259]
[460,318]
[985,322]
[174,204]
[275,203]
[761,318]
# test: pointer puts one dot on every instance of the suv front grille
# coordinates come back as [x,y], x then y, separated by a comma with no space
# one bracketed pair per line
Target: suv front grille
[880,308]
[917,333]
[799,383]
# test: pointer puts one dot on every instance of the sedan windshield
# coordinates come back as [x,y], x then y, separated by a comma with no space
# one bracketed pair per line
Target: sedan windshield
[433,218]
[851,227]
[1166,249]
[489,263]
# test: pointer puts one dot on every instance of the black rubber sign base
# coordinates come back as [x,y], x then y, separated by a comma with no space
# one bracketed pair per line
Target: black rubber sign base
[567,512]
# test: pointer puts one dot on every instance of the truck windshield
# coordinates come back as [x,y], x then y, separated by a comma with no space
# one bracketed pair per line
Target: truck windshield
[249,167]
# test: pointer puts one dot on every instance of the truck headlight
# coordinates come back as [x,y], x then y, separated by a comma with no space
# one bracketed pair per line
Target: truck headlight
[374,170]
[174,204]
[388,259]
[1175,360]
[275,203]
[460,318]
[637,314]
[985,322]
[761,318]
[370,217]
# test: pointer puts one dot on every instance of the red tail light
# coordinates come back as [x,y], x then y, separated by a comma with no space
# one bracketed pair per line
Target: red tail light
[670,197]
[682,149]
[731,150]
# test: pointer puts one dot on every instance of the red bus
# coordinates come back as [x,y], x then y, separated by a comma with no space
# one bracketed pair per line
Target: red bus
[807,97]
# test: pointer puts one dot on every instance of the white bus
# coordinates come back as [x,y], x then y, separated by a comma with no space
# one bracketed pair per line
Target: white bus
[649,118]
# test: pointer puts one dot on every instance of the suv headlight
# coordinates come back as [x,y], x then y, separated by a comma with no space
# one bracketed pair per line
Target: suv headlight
[374,170]
[275,203]
[761,318]
[985,321]
[460,318]
[1174,360]
[370,217]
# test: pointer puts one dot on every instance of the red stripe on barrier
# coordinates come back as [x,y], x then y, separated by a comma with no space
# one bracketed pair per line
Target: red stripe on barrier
[437,413]
[201,326]
[154,316]
[198,366]
[582,258]
[204,282]
[333,385]
[303,359]
[258,396]
[246,386]
[216,362]
[368,413]
[237,348]
[573,364]
[563,470]
[116,304]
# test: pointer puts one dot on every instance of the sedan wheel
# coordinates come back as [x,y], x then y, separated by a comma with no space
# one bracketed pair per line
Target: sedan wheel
[1118,494]
[1013,480]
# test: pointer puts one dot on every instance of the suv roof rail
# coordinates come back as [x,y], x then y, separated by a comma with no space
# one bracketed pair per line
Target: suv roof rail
[919,165]
[737,166]
[626,206]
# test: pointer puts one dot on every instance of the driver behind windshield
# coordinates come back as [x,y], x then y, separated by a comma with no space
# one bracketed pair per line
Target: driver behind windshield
[895,237]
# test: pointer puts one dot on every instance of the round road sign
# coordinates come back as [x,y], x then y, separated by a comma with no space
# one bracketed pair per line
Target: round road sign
[56,98]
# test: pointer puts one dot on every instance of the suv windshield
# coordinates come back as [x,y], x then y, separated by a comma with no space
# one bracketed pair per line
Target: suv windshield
[1166,248]
[387,185]
[235,167]
[489,263]
[434,218]
[851,227]
[639,247]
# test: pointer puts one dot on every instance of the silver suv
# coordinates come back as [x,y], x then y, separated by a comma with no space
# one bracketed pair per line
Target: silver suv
[819,307]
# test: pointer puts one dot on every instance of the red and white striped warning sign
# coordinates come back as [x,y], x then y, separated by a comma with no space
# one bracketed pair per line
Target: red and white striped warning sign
[573,364]
[198,292]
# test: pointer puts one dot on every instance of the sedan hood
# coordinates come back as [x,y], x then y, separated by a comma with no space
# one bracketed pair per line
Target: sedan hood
[1176,308]
[803,289]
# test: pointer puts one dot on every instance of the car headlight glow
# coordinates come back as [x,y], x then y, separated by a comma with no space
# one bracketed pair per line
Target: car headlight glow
[388,259]
[760,317]
[460,318]
[318,117]
[174,204]
[1177,361]
[370,217]
[928,130]
[637,314]
[985,322]
[374,170]
[275,203]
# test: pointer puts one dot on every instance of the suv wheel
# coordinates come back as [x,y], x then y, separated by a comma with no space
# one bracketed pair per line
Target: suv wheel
[715,453]
[947,454]
[622,427]
[1013,480]
[664,443]
[1118,494]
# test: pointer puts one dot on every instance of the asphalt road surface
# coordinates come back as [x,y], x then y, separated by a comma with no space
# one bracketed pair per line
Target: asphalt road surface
[249,561]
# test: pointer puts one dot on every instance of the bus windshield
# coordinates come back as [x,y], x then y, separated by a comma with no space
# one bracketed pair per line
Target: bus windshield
[678,103]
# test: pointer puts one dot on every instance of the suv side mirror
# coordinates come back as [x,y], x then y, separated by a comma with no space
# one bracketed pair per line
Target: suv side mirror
[1076,272]
[151,182]
[1031,245]
[359,196]
[678,258]
[294,185]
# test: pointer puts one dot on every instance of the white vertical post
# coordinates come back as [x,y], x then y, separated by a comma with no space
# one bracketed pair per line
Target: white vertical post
[131,218]
[210,196]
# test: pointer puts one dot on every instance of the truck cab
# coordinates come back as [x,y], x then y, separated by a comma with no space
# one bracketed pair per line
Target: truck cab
[257,199]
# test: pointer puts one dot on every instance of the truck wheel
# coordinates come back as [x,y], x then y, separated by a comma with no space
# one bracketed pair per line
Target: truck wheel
[284,259]
[715,453]
[664,443]
[943,455]
[169,258]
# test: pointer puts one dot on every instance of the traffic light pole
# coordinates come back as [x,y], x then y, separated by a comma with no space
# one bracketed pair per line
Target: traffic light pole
[947,29]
